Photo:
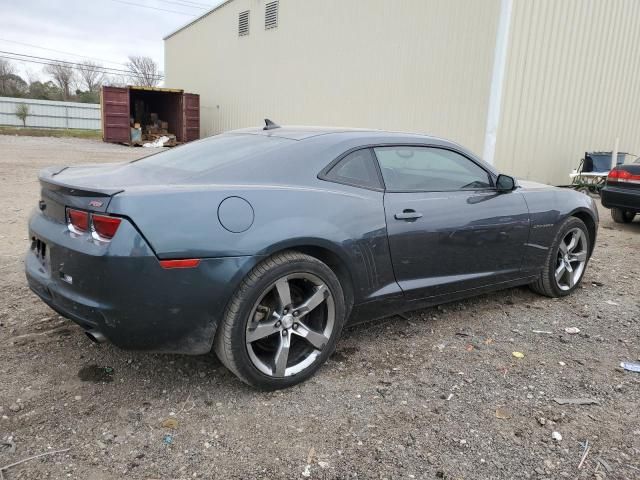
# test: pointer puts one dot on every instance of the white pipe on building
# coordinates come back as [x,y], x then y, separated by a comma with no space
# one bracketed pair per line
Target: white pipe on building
[497,80]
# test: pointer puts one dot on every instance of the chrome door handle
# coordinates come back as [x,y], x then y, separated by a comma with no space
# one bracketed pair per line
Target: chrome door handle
[408,214]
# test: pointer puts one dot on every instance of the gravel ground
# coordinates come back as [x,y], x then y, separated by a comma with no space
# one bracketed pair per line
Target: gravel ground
[437,394]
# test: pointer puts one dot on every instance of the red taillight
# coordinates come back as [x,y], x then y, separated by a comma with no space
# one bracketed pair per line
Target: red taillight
[78,219]
[615,174]
[105,226]
[186,263]
[623,176]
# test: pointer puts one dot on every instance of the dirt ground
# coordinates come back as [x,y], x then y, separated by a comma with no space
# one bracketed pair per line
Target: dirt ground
[437,394]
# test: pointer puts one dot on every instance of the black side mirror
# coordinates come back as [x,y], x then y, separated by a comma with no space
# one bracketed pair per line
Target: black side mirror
[505,183]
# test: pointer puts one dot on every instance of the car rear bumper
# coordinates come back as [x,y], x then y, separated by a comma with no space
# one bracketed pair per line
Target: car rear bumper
[625,198]
[120,289]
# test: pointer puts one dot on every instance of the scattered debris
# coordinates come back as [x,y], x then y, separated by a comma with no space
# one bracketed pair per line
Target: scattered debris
[8,445]
[307,471]
[630,366]
[185,404]
[587,447]
[611,302]
[576,401]
[503,413]
[170,423]
[161,142]
[19,462]
[556,436]
[604,464]
[572,330]
[542,331]
[518,354]
[311,455]
[168,439]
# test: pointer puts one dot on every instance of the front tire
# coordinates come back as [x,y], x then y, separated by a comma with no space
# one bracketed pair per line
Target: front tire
[566,262]
[283,322]
[622,216]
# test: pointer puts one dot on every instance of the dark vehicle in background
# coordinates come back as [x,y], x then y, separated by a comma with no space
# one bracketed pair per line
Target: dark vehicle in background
[263,243]
[621,193]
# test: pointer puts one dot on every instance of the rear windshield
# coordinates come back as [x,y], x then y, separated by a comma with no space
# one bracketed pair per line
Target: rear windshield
[211,153]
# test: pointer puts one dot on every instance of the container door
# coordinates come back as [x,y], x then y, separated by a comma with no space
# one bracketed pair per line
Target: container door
[115,115]
[191,119]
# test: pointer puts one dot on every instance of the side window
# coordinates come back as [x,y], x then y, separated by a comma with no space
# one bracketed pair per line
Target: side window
[429,169]
[357,168]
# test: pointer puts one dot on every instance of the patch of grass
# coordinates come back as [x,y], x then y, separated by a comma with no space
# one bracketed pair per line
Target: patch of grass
[45,132]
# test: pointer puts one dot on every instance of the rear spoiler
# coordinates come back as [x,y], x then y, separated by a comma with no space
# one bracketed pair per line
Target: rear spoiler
[48,181]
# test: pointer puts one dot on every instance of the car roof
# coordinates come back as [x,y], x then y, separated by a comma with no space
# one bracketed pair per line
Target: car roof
[354,137]
[295,132]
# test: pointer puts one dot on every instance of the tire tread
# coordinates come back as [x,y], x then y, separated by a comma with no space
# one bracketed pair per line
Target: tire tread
[621,216]
[223,344]
[543,285]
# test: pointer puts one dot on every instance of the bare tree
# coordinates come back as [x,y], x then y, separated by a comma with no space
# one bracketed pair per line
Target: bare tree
[115,81]
[143,71]
[6,67]
[91,75]
[63,75]
[6,71]
[22,112]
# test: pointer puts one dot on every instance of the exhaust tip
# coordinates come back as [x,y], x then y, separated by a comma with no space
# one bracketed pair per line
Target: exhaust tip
[95,336]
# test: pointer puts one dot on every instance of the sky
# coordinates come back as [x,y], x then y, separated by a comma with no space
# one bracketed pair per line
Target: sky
[105,31]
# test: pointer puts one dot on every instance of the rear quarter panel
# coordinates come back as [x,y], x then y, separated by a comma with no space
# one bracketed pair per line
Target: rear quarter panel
[348,221]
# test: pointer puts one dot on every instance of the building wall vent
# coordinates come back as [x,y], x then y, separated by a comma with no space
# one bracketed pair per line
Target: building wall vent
[271,15]
[243,23]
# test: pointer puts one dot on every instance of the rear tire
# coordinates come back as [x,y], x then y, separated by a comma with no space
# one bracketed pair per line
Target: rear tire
[567,261]
[622,216]
[283,322]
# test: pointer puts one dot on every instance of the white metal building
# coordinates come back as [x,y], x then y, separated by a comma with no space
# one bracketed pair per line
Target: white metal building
[528,85]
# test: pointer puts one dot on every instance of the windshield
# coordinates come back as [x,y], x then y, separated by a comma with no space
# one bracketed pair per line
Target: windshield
[210,154]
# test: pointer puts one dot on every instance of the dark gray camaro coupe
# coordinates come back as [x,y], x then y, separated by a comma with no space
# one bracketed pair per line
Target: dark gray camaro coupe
[263,243]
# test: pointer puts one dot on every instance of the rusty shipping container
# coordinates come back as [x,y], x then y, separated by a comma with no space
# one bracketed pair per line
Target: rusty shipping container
[122,106]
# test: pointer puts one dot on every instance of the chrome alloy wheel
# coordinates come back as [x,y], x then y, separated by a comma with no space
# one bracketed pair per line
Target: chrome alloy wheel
[290,325]
[572,258]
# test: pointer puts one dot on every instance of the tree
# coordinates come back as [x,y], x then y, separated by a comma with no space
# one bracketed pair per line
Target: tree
[63,75]
[44,91]
[6,67]
[87,97]
[115,81]
[11,84]
[91,76]
[22,112]
[143,71]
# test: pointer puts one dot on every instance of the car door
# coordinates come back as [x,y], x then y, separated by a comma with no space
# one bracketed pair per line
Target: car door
[449,229]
